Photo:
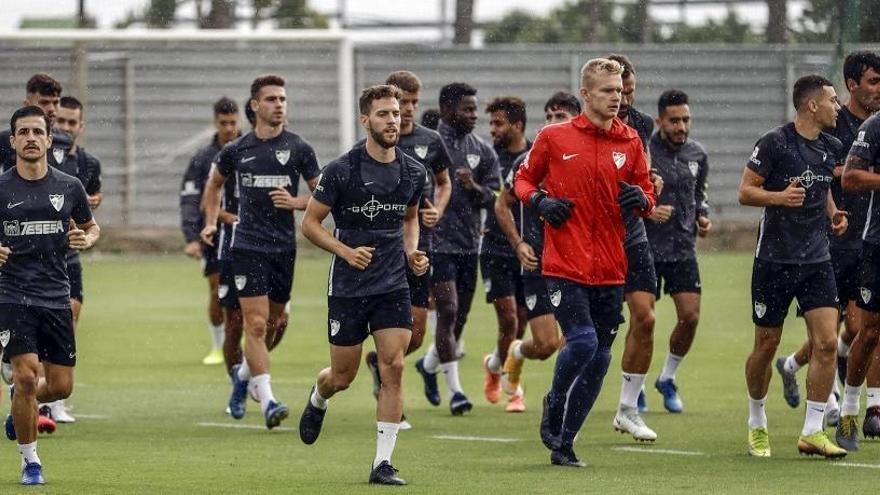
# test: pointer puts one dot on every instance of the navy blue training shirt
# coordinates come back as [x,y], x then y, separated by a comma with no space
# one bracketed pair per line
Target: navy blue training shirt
[36,217]
[494,241]
[259,167]
[856,203]
[866,147]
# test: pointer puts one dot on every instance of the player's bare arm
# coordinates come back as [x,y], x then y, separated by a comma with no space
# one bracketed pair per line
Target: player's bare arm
[84,236]
[752,192]
[838,218]
[442,192]
[211,205]
[417,260]
[313,230]
[858,177]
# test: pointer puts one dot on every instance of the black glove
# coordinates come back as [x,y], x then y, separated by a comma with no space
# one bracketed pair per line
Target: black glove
[631,196]
[555,211]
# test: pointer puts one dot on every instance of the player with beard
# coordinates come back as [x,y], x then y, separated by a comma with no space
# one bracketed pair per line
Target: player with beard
[226,125]
[474,165]
[861,175]
[267,164]
[525,233]
[426,146]
[498,262]
[789,174]
[681,214]
[373,192]
[87,168]
[861,72]
[579,176]
[47,212]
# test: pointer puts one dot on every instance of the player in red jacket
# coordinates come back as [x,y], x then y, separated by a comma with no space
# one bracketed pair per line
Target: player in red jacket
[579,176]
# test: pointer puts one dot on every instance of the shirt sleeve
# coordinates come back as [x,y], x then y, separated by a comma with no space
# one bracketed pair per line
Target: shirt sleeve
[489,177]
[639,175]
[701,188]
[225,162]
[190,199]
[417,170]
[81,212]
[94,184]
[765,155]
[533,170]
[508,181]
[331,183]
[308,162]
[867,141]
[440,158]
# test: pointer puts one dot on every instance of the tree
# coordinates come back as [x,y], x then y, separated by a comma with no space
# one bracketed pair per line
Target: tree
[221,15]
[777,21]
[729,30]
[161,13]
[295,14]
[464,21]
[821,21]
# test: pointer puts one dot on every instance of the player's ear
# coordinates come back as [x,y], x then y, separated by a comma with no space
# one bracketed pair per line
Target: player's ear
[584,94]
[365,121]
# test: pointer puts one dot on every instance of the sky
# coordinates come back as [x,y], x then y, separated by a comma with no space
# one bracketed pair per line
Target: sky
[109,12]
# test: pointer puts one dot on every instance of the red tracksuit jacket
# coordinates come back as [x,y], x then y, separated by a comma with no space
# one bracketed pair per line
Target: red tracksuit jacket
[583,163]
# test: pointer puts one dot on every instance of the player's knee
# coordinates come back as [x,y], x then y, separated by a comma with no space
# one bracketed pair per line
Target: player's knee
[825,345]
[601,361]
[768,343]
[545,348]
[507,321]
[256,326]
[393,370]
[341,381]
[583,343]
[447,306]
[689,320]
[26,382]
[59,389]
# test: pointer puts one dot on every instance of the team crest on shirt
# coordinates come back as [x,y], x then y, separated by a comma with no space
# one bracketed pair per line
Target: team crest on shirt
[334,327]
[282,156]
[694,167]
[57,201]
[58,155]
[222,290]
[556,298]
[619,159]
[473,160]
[531,301]
[240,281]
[4,338]
[866,294]
[760,309]
[421,150]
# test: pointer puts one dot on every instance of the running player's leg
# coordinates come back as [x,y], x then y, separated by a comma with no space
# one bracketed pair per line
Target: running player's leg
[233,325]
[215,311]
[871,425]
[465,284]
[637,354]
[500,290]
[544,339]
[57,410]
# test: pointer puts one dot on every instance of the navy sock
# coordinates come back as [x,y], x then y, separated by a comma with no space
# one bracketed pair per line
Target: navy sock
[570,362]
[583,395]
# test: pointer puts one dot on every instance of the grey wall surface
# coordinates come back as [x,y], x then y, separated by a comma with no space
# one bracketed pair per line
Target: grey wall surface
[737,93]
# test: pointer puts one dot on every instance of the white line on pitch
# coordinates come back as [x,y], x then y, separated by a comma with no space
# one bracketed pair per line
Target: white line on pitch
[243,427]
[856,464]
[92,416]
[476,439]
[649,450]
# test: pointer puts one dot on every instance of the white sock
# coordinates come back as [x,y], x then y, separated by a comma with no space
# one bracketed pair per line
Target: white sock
[431,360]
[494,363]
[517,352]
[630,387]
[791,366]
[815,417]
[317,400]
[850,400]
[450,371]
[757,414]
[832,402]
[459,348]
[842,347]
[432,320]
[28,453]
[873,397]
[244,371]
[669,369]
[386,437]
[263,390]
[217,335]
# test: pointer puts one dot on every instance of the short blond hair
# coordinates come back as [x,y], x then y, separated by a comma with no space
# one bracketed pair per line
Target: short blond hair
[597,66]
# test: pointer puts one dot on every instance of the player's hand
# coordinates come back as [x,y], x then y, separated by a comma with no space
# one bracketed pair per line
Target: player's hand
[526,256]
[838,171]
[360,257]
[662,213]
[704,225]
[95,200]
[554,210]
[193,250]
[839,222]
[4,254]
[657,181]
[631,196]
[793,195]
[76,237]
[227,218]
[208,233]
[466,177]
[418,262]
[430,215]
[283,200]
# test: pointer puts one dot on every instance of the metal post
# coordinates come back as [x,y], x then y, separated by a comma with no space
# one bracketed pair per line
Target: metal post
[79,73]
[128,178]
[345,75]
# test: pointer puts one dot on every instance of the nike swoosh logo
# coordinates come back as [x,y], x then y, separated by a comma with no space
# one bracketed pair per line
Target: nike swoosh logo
[569,157]
[248,159]
[627,378]
[13,205]
[368,183]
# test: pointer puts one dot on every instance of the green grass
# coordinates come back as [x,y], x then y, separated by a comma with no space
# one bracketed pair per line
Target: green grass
[143,334]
